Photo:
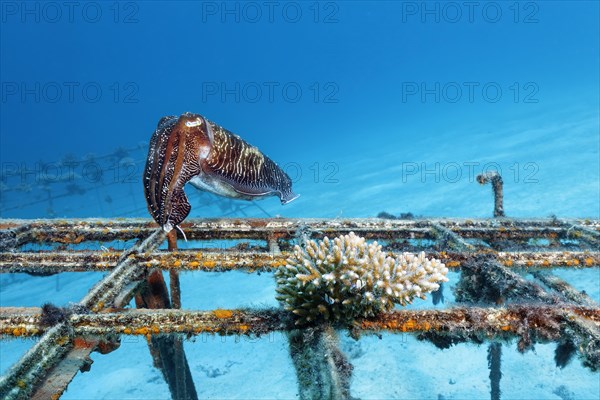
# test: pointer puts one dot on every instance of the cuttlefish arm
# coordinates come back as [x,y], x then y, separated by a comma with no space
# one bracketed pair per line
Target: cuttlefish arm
[170,164]
[192,149]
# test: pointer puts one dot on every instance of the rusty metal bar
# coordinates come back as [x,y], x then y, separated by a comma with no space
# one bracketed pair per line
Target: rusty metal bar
[109,291]
[485,280]
[231,259]
[127,271]
[44,364]
[57,381]
[174,273]
[583,233]
[549,259]
[74,231]
[449,239]
[513,233]
[502,322]
[119,224]
[586,337]
[19,381]
[77,231]
[9,235]
[566,290]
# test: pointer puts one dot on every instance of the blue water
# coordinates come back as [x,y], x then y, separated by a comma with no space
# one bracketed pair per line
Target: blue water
[369,107]
[396,103]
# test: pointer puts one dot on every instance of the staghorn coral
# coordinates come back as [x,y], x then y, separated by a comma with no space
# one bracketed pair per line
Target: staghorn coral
[346,278]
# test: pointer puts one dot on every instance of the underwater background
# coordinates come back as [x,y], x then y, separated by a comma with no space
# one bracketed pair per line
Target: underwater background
[368,106]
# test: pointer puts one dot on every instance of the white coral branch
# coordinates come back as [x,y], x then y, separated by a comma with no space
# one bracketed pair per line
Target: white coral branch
[346,278]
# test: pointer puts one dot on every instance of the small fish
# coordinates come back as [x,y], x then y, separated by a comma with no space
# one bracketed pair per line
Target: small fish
[329,299]
[192,149]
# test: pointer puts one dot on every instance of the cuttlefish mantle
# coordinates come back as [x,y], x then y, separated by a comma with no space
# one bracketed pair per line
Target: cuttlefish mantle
[192,149]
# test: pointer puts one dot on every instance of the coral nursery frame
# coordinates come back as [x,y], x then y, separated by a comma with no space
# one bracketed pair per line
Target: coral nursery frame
[488,251]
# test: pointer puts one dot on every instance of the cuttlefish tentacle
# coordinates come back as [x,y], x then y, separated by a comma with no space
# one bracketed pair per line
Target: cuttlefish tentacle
[169,166]
[192,149]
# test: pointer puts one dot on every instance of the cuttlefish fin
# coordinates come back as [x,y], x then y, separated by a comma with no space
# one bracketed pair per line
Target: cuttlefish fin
[285,196]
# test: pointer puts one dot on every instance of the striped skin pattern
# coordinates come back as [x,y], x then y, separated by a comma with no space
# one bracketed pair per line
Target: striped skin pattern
[192,149]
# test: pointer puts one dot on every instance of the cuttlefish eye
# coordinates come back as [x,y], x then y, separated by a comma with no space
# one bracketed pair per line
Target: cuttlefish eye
[191,124]
[199,131]
[191,120]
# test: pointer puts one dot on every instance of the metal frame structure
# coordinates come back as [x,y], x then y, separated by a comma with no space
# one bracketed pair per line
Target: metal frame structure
[487,250]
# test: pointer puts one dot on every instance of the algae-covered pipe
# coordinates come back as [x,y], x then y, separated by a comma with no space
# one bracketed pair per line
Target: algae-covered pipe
[323,371]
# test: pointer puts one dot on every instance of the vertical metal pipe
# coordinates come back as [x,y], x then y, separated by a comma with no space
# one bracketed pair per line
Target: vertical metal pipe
[174,274]
[167,351]
[322,369]
[497,186]
[494,363]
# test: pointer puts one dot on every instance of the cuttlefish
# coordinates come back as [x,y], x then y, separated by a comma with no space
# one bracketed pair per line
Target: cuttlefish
[190,148]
